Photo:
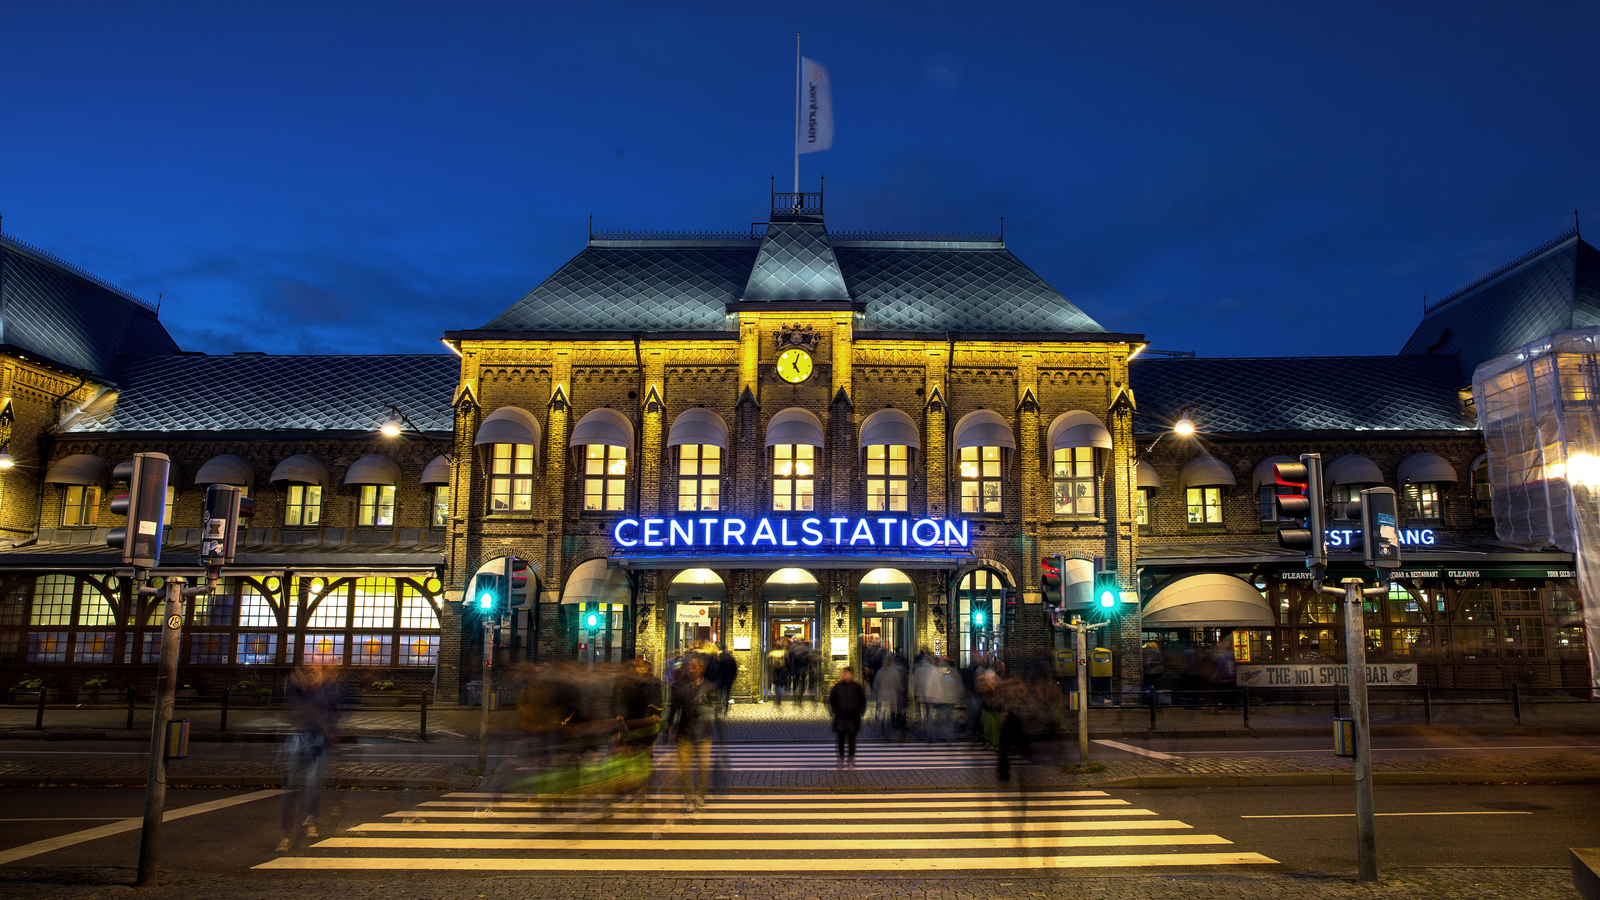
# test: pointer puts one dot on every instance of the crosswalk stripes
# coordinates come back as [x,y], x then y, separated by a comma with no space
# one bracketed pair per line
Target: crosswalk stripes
[814,757]
[904,832]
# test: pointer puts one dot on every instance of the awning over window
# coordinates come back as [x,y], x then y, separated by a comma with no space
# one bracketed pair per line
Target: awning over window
[1206,471]
[595,582]
[698,426]
[794,426]
[1352,468]
[374,468]
[301,469]
[1078,429]
[510,425]
[1426,468]
[890,426]
[603,426]
[1207,600]
[1147,477]
[79,468]
[437,471]
[226,469]
[1264,475]
[983,428]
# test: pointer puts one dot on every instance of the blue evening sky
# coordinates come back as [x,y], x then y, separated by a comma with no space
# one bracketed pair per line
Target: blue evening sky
[360,177]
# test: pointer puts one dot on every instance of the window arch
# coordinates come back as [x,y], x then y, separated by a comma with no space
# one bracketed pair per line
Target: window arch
[983,445]
[794,442]
[979,597]
[1079,445]
[702,441]
[606,437]
[889,441]
[511,438]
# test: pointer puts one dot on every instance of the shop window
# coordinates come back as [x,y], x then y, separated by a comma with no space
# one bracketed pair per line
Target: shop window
[1476,642]
[1481,505]
[699,477]
[94,647]
[793,477]
[419,650]
[1563,606]
[979,472]
[374,605]
[255,610]
[1477,605]
[511,478]
[1205,505]
[257,649]
[888,483]
[80,505]
[52,600]
[605,478]
[1141,507]
[440,516]
[1568,643]
[1410,643]
[303,506]
[1269,507]
[1316,644]
[1403,607]
[1421,501]
[1523,637]
[377,505]
[1253,646]
[1320,609]
[1076,484]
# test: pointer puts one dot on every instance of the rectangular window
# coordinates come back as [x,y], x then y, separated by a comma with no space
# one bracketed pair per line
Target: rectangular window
[1481,503]
[1341,495]
[1420,501]
[980,475]
[1524,637]
[699,477]
[80,505]
[1205,505]
[209,649]
[94,647]
[441,506]
[372,650]
[52,600]
[172,496]
[1141,508]
[377,505]
[419,649]
[304,506]
[1269,504]
[793,477]
[605,478]
[324,649]
[374,604]
[511,478]
[1076,484]
[258,649]
[888,482]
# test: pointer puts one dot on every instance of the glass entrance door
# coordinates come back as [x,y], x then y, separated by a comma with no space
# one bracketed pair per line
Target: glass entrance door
[601,640]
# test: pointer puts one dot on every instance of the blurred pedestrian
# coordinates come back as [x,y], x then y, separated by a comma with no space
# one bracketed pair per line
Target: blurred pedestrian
[689,727]
[777,673]
[890,689]
[1154,667]
[311,702]
[722,672]
[847,702]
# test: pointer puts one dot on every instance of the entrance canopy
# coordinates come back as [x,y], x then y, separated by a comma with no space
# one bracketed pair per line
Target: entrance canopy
[595,582]
[697,586]
[1207,600]
[791,585]
[891,585]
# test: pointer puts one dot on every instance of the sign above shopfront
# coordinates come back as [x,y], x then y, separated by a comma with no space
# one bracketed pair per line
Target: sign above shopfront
[838,531]
[1322,675]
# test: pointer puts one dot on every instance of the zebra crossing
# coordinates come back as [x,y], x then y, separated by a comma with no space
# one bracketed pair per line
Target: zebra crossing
[905,832]
[817,756]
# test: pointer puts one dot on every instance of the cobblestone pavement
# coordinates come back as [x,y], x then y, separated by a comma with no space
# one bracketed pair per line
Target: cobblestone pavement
[1419,883]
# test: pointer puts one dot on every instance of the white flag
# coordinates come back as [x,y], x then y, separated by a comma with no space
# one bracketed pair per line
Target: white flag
[816,108]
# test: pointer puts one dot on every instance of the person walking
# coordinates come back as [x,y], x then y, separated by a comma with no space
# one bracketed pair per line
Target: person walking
[776,675]
[312,703]
[890,689]
[847,702]
[689,728]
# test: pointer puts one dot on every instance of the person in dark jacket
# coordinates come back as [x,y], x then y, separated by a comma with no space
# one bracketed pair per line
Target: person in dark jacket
[691,731]
[722,672]
[847,702]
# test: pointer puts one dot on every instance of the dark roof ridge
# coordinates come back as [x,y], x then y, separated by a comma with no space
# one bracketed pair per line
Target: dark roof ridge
[85,274]
[1507,269]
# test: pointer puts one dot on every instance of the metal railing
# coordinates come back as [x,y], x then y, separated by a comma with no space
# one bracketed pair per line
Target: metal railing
[949,237]
[805,203]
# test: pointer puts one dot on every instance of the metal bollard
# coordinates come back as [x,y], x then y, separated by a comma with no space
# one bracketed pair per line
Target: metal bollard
[1427,705]
[131,696]
[423,730]
[1516,701]
[223,724]
[1246,702]
[38,720]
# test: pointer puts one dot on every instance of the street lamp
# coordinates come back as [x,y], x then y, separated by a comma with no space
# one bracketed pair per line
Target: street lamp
[6,459]
[389,428]
[1184,427]
[392,428]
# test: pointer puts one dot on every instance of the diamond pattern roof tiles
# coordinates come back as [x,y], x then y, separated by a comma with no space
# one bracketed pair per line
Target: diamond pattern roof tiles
[1339,393]
[279,393]
[796,263]
[952,289]
[67,319]
[1554,290]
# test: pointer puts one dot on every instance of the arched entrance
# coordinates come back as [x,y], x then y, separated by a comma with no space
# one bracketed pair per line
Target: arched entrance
[597,598]
[979,596]
[790,601]
[888,602]
[694,609]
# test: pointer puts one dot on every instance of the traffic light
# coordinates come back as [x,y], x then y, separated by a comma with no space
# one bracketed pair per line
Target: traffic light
[145,505]
[518,597]
[1380,526]
[225,505]
[1050,578]
[1107,592]
[591,617]
[980,615]
[1305,477]
[1008,610]
[488,596]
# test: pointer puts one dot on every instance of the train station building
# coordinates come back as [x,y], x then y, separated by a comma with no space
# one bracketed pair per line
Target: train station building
[846,439]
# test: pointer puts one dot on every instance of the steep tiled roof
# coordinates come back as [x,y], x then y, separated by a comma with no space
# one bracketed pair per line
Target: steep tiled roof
[1553,289]
[796,263]
[1334,393]
[278,393]
[69,317]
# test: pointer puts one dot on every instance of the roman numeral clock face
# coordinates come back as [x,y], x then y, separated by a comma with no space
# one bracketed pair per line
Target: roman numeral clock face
[794,365]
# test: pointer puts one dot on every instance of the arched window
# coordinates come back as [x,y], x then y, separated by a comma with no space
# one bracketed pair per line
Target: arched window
[82,479]
[1079,443]
[513,437]
[1423,477]
[794,437]
[979,598]
[374,477]
[1347,475]
[605,436]
[305,477]
[1203,480]
[888,439]
[702,441]
[1264,483]
[983,440]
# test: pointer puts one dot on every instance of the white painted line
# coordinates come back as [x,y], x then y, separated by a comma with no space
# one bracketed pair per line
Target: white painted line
[1140,751]
[78,837]
[498,825]
[1475,812]
[755,819]
[1012,842]
[787,864]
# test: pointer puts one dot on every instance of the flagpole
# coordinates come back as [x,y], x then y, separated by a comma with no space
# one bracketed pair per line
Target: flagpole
[797,112]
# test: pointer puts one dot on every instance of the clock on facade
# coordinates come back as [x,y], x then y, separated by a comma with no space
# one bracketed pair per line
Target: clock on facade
[794,365]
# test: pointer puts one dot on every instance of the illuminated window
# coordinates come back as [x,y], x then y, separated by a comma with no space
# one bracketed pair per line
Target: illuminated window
[1205,505]
[52,600]
[332,611]
[511,478]
[416,611]
[887,477]
[1420,501]
[80,505]
[419,650]
[324,649]
[1076,486]
[371,650]
[979,473]
[303,506]
[793,477]
[1480,491]
[377,505]
[374,604]
[94,608]
[441,506]
[1141,506]
[699,477]
[255,611]
[605,478]
[172,496]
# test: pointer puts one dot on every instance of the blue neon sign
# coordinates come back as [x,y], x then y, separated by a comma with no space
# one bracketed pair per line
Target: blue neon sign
[1350,538]
[837,531]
